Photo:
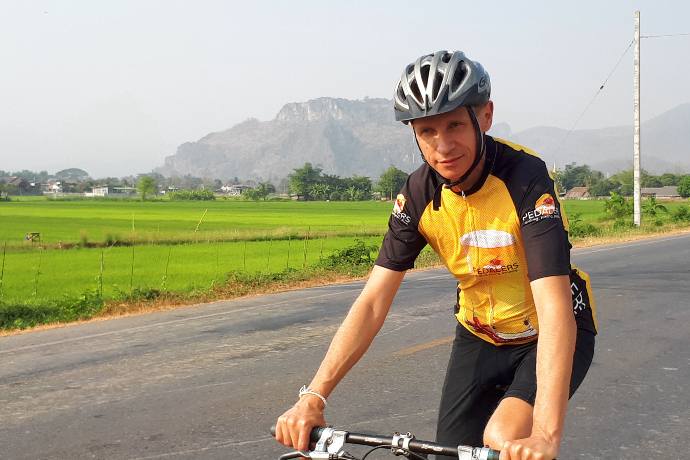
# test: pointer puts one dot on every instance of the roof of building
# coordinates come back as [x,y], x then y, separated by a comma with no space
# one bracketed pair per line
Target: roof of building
[577,192]
[666,191]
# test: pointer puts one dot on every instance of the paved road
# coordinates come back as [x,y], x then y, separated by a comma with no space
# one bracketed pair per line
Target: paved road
[207,381]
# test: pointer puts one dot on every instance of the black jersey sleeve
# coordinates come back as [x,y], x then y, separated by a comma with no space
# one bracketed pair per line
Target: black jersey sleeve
[545,238]
[403,242]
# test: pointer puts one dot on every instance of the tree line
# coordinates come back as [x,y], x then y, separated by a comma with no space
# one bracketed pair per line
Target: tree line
[310,183]
[621,183]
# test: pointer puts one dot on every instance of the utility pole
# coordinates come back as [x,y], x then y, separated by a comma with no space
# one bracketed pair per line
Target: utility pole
[636,128]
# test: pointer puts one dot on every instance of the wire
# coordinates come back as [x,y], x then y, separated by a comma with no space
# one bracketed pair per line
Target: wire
[572,128]
[388,446]
[409,452]
[664,35]
[383,446]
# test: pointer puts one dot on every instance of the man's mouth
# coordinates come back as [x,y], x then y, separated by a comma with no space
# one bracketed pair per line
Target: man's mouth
[449,161]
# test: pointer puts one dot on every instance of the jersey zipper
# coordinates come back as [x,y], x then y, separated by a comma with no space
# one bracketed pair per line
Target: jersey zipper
[475,259]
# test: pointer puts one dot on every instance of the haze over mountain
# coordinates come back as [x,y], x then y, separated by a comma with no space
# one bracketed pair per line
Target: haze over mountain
[348,137]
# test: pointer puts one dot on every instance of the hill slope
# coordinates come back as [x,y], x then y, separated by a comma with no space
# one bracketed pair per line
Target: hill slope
[347,137]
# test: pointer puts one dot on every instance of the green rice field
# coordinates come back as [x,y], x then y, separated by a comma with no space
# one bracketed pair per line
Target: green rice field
[113,247]
[103,221]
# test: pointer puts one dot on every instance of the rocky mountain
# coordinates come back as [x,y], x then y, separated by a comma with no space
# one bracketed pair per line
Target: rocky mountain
[348,137]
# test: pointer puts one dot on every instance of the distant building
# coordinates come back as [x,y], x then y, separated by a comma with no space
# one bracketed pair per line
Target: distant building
[101,190]
[667,192]
[21,186]
[170,189]
[124,190]
[108,190]
[51,187]
[577,193]
[234,190]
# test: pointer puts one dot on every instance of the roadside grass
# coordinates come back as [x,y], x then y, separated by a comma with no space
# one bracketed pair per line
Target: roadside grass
[346,263]
[41,275]
[241,248]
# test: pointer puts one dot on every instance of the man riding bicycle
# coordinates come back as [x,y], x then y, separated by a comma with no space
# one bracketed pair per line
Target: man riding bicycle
[526,321]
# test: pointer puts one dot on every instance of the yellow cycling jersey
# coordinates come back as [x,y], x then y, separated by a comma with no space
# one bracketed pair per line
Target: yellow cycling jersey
[507,230]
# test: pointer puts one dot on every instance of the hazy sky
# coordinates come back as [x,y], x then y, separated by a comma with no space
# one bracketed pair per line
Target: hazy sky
[115,86]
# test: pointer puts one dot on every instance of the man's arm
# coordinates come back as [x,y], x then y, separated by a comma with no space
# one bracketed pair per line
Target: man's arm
[555,349]
[350,342]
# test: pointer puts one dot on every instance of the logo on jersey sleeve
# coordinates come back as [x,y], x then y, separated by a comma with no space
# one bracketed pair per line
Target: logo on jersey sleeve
[544,208]
[398,209]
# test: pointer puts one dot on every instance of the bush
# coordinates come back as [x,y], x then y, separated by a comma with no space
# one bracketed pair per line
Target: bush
[190,195]
[112,239]
[139,294]
[83,239]
[681,214]
[21,316]
[356,255]
[618,207]
[623,224]
[684,187]
[580,230]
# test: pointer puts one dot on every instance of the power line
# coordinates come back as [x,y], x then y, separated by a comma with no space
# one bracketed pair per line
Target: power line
[664,35]
[594,97]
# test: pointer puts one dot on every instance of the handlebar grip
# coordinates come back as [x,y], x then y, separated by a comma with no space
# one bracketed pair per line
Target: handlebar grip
[493,454]
[314,436]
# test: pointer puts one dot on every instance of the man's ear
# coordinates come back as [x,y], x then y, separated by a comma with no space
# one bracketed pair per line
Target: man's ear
[486,116]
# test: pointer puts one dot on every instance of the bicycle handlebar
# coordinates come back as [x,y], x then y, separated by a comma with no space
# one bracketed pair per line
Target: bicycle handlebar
[326,436]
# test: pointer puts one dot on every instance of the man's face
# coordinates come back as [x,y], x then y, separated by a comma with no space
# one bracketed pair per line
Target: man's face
[448,141]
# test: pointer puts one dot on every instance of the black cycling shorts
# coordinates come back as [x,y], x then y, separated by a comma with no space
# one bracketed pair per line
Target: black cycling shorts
[480,375]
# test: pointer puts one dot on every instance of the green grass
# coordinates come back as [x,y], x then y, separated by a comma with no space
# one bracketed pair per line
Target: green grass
[103,221]
[237,240]
[41,275]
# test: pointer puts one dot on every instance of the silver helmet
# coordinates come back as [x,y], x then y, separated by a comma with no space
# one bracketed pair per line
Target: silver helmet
[438,83]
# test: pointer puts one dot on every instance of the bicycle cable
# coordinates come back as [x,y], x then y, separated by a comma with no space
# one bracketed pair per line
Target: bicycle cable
[386,446]
[382,446]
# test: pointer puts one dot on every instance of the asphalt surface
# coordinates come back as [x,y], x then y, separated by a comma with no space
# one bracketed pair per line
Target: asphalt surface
[207,381]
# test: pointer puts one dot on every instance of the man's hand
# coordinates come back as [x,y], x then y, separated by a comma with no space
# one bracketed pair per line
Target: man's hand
[533,448]
[294,426]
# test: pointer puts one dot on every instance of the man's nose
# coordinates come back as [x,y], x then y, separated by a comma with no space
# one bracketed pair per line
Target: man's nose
[444,144]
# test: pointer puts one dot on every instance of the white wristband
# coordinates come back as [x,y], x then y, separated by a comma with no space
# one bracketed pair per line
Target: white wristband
[305,390]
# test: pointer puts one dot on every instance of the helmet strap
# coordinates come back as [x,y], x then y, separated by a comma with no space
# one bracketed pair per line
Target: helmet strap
[481,148]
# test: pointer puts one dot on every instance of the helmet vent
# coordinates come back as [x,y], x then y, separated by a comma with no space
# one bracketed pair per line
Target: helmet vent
[416,92]
[401,95]
[437,85]
[459,76]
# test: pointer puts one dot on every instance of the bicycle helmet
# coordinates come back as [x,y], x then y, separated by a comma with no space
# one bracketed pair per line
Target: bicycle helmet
[438,83]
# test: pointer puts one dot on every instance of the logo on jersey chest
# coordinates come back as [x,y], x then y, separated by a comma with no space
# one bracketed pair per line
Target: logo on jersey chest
[496,244]
[497,266]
